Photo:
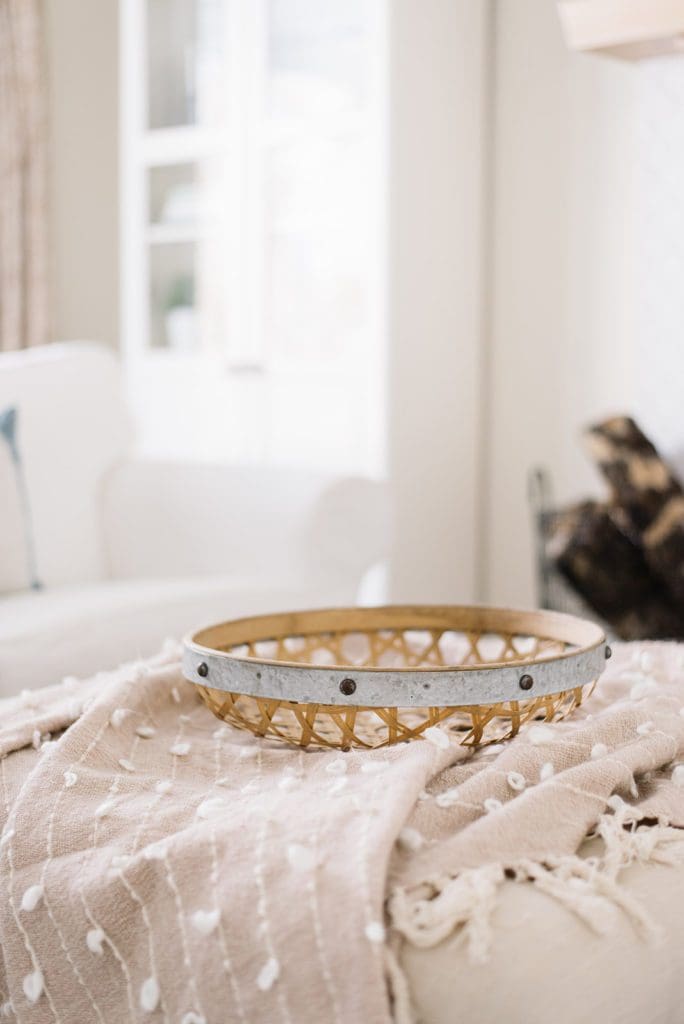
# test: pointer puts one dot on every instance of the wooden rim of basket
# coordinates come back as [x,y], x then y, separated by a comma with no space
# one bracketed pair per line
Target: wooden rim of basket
[208,663]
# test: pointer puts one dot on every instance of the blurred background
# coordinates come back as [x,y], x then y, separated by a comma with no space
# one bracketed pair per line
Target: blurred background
[417,243]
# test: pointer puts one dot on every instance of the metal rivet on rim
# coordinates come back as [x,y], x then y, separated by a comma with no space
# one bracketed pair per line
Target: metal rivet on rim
[526,682]
[203,670]
[609,652]
[347,687]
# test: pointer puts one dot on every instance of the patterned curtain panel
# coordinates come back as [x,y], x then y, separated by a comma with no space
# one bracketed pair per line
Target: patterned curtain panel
[23,198]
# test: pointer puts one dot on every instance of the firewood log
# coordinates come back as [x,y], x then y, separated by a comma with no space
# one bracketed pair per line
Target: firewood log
[640,480]
[664,547]
[648,499]
[608,569]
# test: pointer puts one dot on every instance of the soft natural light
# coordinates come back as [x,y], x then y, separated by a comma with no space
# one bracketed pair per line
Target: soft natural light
[253,165]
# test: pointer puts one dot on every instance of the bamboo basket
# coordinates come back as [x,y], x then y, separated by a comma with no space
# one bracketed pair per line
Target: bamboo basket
[372,677]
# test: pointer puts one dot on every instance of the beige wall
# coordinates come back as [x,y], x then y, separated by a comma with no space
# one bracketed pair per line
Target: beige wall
[660,254]
[437,172]
[561,289]
[83,83]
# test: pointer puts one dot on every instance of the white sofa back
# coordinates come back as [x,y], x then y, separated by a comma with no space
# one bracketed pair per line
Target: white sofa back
[170,520]
[72,428]
[101,514]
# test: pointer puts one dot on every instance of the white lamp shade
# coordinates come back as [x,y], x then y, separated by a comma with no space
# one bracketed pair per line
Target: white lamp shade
[629,29]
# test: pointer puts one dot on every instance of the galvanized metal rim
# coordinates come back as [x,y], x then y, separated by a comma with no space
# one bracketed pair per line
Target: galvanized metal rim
[207,663]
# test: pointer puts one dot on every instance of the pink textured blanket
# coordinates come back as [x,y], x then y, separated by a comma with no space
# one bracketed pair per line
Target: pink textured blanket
[157,865]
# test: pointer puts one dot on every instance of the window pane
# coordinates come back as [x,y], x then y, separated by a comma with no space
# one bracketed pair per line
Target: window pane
[185,62]
[173,312]
[316,56]
[318,250]
[319,215]
[261,302]
[173,194]
[186,195]
[187,315]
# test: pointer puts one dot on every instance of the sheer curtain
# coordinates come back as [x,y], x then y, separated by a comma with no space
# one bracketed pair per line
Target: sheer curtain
[23,199]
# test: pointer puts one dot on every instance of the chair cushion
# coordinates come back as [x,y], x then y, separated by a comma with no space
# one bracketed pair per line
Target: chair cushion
[78,631]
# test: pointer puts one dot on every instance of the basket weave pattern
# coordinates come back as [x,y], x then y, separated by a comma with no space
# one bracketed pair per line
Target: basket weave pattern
[338,727]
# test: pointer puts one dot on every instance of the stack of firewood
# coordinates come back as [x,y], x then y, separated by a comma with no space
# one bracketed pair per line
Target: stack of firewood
[625,556]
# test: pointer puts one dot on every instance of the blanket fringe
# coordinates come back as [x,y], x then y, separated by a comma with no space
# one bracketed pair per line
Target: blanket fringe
[400,994]
[466,901]
[589,887]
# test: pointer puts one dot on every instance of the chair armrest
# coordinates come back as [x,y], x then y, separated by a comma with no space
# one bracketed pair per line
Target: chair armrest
[164,519]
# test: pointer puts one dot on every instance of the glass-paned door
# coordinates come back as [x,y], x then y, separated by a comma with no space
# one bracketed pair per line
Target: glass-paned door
[254,138]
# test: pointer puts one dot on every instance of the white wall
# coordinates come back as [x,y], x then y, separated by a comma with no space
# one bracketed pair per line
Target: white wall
[562,282]
[587,283]
[660,253]
[81,44]
[438,101]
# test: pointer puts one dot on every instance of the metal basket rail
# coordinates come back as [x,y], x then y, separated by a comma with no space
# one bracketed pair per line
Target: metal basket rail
[371,677]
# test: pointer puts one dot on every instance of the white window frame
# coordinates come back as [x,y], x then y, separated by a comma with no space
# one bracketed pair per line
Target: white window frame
[247,358]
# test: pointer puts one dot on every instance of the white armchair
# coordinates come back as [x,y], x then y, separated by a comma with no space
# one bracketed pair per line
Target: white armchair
[130,551]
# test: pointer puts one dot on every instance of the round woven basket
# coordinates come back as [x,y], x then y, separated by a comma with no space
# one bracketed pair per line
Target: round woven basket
[371,677]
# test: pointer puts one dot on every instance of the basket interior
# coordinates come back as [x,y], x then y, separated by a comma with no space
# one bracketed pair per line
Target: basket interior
[401,648]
